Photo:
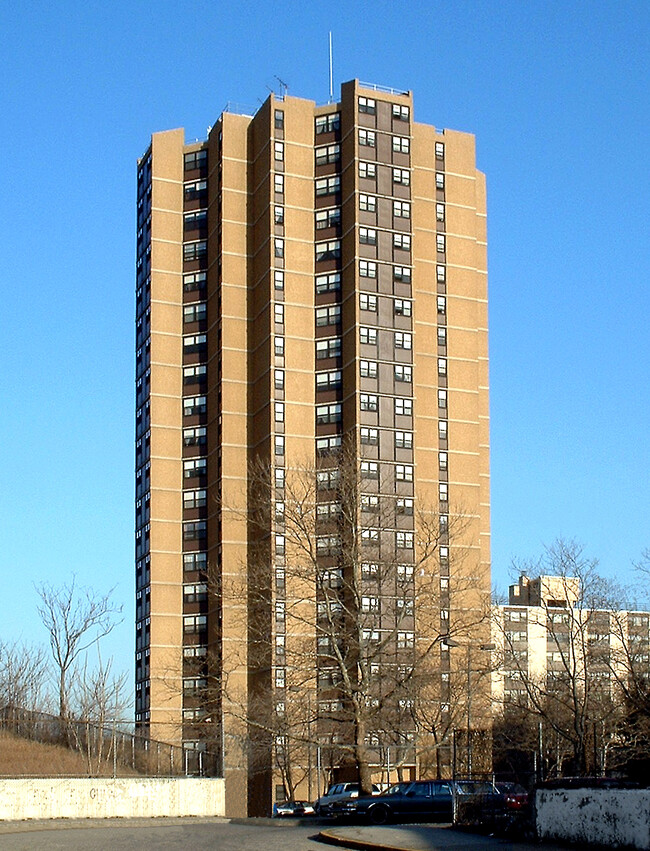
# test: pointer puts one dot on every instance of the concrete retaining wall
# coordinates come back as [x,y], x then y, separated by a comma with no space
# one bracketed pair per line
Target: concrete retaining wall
[33,798]
[614,817]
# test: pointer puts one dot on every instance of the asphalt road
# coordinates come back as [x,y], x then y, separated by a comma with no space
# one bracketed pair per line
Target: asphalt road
[220,835]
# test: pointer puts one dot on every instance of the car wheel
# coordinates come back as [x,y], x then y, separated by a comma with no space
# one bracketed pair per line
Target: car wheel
[378,814]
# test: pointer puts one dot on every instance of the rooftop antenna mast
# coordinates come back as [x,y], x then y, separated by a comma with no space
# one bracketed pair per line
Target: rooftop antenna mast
[284,86]
[331,74]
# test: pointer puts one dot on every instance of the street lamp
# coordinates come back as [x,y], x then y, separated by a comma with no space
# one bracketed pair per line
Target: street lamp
[451,643]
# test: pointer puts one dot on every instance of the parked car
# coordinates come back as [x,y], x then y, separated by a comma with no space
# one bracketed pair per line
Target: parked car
[338,792]
[514,796]
[425,800]
[292,808]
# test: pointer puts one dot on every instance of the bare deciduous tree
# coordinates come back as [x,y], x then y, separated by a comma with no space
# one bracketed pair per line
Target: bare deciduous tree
[23,671]
[346,610]
[76,618]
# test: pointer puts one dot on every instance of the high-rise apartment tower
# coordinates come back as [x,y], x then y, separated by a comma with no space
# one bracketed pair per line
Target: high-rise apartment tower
[311,285]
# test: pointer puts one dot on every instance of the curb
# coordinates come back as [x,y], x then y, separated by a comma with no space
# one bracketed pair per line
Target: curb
[358,844]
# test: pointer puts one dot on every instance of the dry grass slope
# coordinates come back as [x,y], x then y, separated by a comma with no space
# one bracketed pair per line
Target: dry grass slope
[24,758]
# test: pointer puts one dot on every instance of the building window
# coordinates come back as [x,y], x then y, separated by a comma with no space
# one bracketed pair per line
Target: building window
[195,343]
[368,170]
[195,531]
[328,283]
[403,407]
[440,180]
[369,436]
[368,336]
[195,250]
[404,540]
[405,640]
[194,281]
[197,159]
[195,562]
[328,445]
[368,402]
[401,144]
[367,138]
[328,315]
[369,604]
[328,250]
[330,348]
[441,274]
[279,545]
[367,203]
[328,414]
[279,119]
[442,336]
[279,478]
[402,273]
[278,314]
[195,374]
[327,480]
[403,440]
[196,191]
[367,269]
[442,304]
[328,154]
[328,218]
[278,247]
[367,236]
[401,209]
[328,123]
[328,185]
[440,212]
[368,302]
[367,105]
[402,176]
[278,151]
[278,347]
[442,429]
[194,499]
[193,624]
[442,398]
[440,243]
[405,506]
[369,469]
[194,221]
[193,405]
[368,368]
[403,340]
[278,214]
[443,491]
[402,241]
[400,113]
[403,473]
[278,408]
[403,373]
[278,279]
[442,366]
[194,467]
[328,380]
[195,436]
[440,150]
[278,183]
[402,307]
[279,444]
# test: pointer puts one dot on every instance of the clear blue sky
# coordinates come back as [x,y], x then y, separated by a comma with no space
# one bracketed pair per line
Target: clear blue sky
[557,95]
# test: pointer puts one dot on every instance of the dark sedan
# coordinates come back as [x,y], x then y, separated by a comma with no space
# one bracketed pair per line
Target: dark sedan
[424,800]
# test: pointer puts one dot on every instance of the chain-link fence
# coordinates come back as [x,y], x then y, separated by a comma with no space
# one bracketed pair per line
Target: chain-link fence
[107,749]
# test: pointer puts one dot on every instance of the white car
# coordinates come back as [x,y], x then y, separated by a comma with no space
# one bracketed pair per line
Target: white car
[338,792]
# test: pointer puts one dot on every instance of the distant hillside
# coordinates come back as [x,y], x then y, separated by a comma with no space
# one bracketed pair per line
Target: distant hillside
[24,758]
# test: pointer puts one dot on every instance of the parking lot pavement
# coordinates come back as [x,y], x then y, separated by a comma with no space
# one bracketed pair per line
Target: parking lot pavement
[421,838]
